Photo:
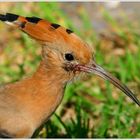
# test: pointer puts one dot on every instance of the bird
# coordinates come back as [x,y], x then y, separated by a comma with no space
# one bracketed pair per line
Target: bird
[28,103]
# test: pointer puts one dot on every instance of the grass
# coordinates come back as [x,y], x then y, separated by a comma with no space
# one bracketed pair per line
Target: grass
[91,107]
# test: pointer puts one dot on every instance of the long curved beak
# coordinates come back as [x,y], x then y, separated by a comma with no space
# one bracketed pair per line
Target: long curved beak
[96,69]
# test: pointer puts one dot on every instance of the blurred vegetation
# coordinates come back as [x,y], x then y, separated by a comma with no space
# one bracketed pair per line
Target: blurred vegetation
[91,107]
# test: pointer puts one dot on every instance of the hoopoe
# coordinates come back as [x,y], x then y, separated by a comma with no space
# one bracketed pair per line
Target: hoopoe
[25,105]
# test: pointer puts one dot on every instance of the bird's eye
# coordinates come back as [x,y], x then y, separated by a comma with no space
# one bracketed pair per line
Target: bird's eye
[69,57]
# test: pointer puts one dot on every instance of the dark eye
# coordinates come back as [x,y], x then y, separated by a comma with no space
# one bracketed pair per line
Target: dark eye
[69,57]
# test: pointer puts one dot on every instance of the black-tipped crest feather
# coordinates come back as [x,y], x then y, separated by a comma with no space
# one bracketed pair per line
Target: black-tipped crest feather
[8,17]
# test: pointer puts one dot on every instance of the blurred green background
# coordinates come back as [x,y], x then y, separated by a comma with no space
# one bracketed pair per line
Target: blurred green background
[91,108]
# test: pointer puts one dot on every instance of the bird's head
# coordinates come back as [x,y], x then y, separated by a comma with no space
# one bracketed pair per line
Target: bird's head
[63,51]
[66,54]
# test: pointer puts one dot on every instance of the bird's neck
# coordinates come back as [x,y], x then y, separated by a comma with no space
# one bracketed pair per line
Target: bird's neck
[48,90]
[42,94]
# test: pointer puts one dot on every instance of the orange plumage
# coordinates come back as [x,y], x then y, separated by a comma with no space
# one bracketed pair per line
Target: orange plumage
[27,104]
